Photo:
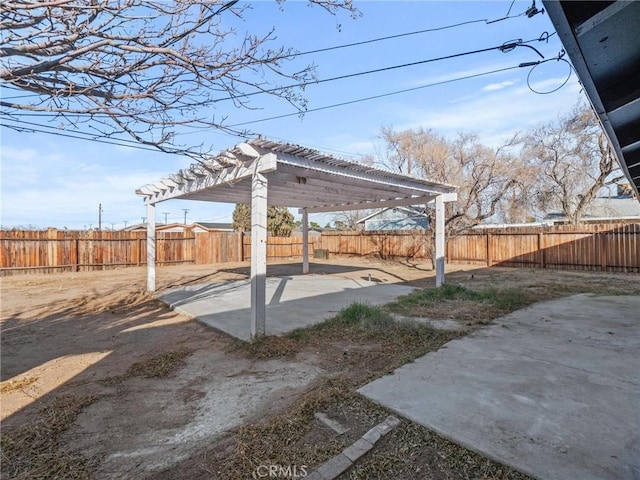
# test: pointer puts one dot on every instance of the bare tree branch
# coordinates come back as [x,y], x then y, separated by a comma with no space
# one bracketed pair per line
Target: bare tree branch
[573,162]
[142,67]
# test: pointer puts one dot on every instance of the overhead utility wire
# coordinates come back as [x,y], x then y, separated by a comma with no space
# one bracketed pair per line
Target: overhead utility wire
[78,132]
[89,136]
[416,32]
[372,40]
[397,92]
[505,47]
[398,35]
[132,144]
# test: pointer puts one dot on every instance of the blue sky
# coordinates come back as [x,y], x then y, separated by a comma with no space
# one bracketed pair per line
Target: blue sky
[48,180]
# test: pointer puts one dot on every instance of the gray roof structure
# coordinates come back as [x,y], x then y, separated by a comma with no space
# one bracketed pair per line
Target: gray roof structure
[602,40]
[298,177]
[213,225]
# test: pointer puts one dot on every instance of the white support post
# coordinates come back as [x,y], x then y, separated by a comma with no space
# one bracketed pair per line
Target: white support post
[258,254]
[151,247]
[440,245]
[305,241]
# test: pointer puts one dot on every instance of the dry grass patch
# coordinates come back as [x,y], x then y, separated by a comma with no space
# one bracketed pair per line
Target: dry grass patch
[17,384]
[33,450]
[279,440]
[356,325]
[462,303]
[270,346]
[158,366]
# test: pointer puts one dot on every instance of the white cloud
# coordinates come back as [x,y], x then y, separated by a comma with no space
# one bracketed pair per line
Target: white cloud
[497,86]
[493,116]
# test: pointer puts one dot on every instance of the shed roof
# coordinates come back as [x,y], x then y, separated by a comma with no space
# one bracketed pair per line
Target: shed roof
[298,177]
[213,225]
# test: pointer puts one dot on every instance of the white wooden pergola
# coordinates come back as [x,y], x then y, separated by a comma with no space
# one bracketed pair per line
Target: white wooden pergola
[263,172]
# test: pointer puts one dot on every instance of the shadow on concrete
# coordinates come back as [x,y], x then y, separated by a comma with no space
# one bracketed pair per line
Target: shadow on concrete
[292,302]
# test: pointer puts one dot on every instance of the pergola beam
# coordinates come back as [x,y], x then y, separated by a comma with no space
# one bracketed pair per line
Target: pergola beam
[258,254]
[305,241]
[398,202]
[320,179]
[440,241]
[288,159]
[169,188]
[151,247]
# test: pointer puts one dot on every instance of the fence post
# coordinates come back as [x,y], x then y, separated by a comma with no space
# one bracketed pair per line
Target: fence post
[489,260]
[240,246]
[91,252]
[52,247]
[603,240]
[541,247]
[77,256]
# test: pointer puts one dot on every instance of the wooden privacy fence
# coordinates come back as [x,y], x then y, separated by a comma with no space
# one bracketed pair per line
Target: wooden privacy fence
[587,247]
[391,244]
[53,250]
[613,248]
[278,247]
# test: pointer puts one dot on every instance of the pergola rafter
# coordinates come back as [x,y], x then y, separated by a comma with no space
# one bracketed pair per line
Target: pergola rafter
[262,172]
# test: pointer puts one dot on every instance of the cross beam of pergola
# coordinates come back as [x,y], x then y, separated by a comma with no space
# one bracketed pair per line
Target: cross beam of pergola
[263,172]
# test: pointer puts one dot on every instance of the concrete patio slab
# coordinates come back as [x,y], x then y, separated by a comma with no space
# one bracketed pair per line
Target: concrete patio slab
[292,302]
[552,390]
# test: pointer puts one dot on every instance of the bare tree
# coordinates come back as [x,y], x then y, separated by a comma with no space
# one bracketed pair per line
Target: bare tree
[573,161]
[141,67]
[348,220]
[485,177]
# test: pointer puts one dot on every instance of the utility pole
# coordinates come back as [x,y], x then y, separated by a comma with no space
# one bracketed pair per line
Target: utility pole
[185,210]
[125,223]
[99,217]
[165,217]
[144,219]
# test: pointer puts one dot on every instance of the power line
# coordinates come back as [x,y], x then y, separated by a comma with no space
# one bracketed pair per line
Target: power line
[400,35]
[505,47]
[389,37]
[79,132]
[326,107]
[89,137]
[28,95]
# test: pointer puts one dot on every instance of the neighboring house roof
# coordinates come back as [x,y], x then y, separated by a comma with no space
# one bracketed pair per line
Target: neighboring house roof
[159,226]
[396,218]
[410,212]
[604,208]
[297,232]
[228,227]
[614,207]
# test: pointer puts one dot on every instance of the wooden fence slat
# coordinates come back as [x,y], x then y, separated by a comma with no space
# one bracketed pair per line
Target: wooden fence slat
[605,247]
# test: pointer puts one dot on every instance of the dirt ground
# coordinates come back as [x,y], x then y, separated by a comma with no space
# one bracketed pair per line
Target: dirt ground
[80,334]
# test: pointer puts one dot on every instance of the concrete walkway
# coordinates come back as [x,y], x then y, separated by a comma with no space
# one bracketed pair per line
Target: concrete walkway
[292,302]
[552,390]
